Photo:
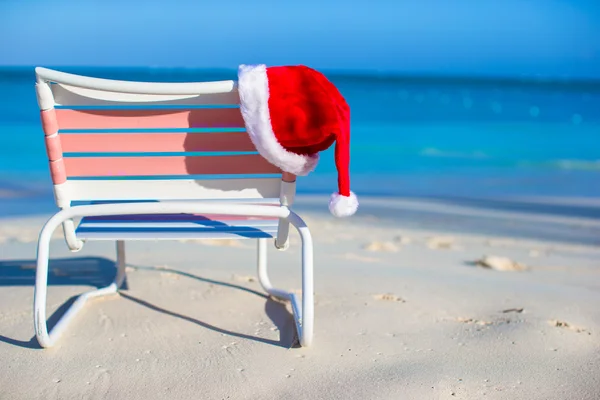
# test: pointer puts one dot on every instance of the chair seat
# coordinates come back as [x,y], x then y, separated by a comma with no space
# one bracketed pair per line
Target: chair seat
[175,226]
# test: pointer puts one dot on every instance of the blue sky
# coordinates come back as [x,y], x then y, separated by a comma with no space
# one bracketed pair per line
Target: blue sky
[484,37]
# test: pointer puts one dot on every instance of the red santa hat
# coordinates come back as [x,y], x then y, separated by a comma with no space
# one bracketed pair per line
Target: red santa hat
[292,113]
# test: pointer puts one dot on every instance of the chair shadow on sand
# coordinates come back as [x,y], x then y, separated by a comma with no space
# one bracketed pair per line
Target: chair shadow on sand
[99,272]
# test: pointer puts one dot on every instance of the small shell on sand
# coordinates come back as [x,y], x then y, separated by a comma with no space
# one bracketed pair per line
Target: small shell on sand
[388,297]
[473,321]
[441,242]
[500,264]
[563,324]
[381,246]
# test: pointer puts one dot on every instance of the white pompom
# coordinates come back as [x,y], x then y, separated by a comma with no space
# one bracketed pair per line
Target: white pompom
[343,206]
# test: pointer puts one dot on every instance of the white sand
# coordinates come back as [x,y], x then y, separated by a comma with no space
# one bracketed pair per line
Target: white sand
[400,314]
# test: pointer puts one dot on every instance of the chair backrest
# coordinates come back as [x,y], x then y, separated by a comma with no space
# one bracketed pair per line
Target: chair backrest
[111,140]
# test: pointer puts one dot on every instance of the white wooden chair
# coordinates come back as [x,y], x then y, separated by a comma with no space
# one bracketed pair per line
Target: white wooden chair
[137,160]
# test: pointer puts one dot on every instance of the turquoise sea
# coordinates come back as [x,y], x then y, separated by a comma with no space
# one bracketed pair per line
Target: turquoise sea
[411,136]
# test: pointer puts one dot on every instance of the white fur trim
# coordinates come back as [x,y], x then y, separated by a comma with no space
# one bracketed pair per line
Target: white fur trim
[343,206]
[253,88]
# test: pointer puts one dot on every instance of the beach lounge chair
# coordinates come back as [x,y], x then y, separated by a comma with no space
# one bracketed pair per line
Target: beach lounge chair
[137,160]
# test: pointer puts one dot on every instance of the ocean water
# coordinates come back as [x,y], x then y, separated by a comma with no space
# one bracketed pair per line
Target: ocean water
[410,136]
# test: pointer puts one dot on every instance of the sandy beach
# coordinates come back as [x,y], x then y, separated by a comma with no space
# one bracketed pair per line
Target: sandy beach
[460,139]
[446,300]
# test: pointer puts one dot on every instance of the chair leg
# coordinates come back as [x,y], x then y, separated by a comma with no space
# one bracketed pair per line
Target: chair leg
[308,302]
[263,276]
[303,316]
[120,277]
[48,339]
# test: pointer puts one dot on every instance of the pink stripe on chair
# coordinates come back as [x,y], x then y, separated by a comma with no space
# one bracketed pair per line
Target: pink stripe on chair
[156,142]
[148,119]
[57,171]
[49,121]
[53,148]
[145,166]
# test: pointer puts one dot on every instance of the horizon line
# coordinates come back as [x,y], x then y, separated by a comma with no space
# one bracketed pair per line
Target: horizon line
[538,80]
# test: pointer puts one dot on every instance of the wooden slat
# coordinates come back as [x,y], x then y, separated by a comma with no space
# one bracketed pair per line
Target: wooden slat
[65,95]
[246,190]
[160,166]
[156,142]
[149,119]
